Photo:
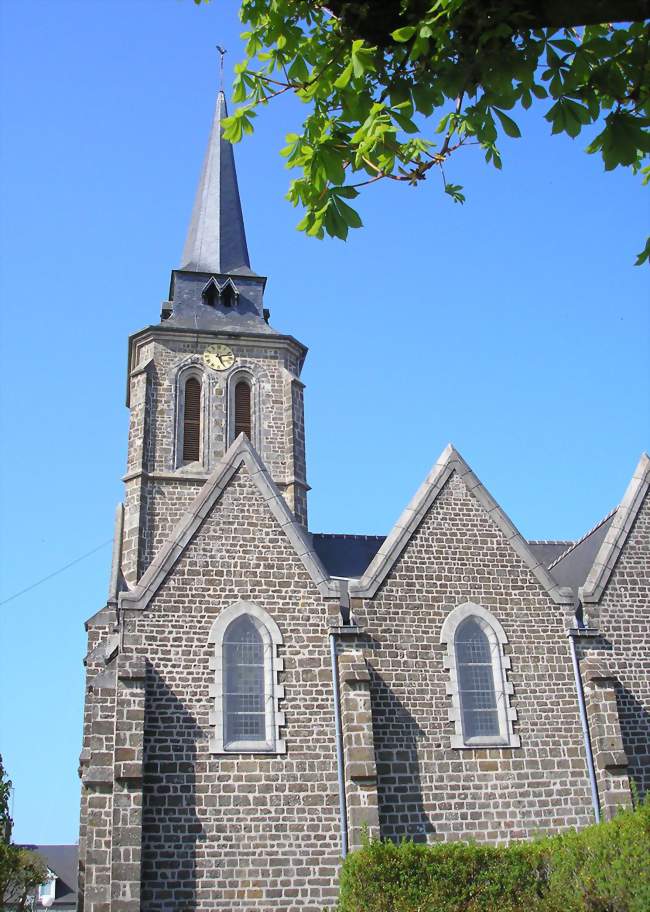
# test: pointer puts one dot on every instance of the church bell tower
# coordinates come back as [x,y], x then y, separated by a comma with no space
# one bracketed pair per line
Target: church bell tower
[211,369]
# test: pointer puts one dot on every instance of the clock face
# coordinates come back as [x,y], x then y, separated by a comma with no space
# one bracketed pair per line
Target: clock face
[219,357]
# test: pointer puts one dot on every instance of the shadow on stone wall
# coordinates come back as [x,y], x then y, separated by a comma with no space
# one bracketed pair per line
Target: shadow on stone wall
[171,829]
[401,802]
[635,730]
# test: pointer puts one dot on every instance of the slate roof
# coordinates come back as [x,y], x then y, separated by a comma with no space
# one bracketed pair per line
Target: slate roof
[63,860]
[622,522]
[572,567]
[548,551]
[216,239]
[346,555]
[569,562]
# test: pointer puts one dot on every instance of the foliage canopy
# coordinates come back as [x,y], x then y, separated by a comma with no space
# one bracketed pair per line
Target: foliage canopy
[603,868]
[21,871]
[396,87]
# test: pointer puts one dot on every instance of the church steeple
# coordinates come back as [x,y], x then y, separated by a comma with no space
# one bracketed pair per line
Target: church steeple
[216,239]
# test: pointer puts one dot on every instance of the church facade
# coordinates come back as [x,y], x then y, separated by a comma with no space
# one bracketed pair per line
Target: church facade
[259,695]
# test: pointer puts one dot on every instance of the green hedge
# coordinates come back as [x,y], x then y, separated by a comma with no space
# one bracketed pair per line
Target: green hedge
[603,868]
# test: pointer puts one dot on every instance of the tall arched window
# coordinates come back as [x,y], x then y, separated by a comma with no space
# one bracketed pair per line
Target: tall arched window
[474,665]
[244,687]
[246,717]
[479,689]
[243,416]
[192,421]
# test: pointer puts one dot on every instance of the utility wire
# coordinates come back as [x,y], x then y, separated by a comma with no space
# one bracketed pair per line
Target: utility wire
[55,572]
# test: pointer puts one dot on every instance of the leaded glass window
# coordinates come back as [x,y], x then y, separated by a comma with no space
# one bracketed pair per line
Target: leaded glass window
[244,683]
[478,697]
[246,716]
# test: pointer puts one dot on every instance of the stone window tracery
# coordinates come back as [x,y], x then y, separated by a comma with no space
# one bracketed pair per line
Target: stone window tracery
[478,686]
[246,693]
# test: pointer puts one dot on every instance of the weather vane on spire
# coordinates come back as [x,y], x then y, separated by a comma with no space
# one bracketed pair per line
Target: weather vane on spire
[222,52]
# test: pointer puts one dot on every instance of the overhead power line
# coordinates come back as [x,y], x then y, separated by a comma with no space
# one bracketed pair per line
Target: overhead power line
[55,572]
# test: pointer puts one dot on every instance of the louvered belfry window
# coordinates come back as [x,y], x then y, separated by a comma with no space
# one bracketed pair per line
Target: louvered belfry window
[243,421]
[192,421]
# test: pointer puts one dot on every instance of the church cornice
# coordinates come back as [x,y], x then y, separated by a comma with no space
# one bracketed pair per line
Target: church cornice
[171,333]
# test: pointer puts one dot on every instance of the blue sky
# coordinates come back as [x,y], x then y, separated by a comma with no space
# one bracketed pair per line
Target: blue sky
[515,327]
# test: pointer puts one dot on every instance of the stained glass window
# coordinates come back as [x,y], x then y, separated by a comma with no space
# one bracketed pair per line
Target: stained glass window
[478,698]
[244,682]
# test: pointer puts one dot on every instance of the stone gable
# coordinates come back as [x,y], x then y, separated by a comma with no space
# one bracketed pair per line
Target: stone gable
[426,789]
[249,831]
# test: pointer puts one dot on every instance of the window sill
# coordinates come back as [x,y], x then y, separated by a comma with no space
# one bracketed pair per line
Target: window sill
[458,743]
[249,748]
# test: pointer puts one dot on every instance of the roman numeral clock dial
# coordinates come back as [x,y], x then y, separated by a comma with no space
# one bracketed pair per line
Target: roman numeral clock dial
[219,356]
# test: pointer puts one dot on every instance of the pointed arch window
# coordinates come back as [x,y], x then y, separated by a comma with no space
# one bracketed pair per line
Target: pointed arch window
[192,420]
[210,294]
[243,414]
[475,668]
[479,689]
[244,686]
[229,295]
[246,717]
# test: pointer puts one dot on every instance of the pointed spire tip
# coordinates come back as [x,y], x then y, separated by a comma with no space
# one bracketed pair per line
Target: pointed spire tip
[216,240]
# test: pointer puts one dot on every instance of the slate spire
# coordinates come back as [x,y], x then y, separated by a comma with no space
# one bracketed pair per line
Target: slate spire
[216,240]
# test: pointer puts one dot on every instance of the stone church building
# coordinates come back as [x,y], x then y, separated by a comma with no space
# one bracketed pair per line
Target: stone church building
[258,694]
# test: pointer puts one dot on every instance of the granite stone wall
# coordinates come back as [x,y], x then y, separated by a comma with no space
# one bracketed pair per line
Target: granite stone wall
[240,831]
[169,825]
[158,486]
[623,619]
[427,790]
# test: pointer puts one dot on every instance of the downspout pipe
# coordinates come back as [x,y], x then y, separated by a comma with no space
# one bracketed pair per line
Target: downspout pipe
[338,734]
[573,633]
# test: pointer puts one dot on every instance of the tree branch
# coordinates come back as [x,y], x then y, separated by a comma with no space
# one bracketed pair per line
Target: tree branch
[374,21]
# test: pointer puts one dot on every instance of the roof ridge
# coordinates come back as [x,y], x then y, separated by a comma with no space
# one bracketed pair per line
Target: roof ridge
[550,541]
[584,537]
[345,535]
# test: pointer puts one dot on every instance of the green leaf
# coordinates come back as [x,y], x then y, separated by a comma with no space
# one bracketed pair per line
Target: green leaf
[404,34]
[568,116]
[509,126]
[644,256]
[454,191]
[344,78]
[347,192]
[298,71]
[623,140]
[333,166]
[350,215]
[405,123]
[423,99]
